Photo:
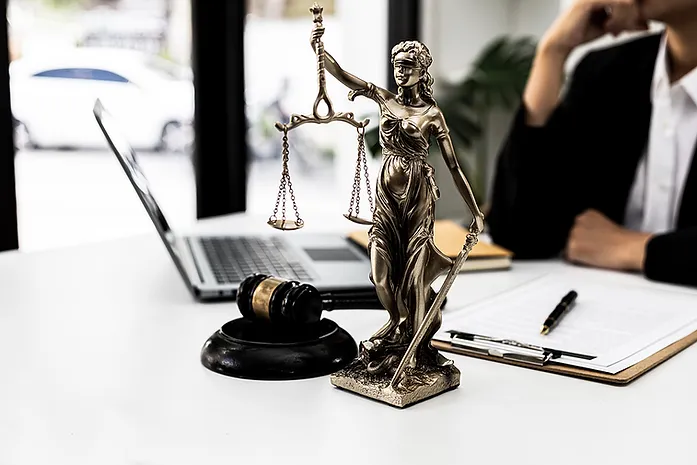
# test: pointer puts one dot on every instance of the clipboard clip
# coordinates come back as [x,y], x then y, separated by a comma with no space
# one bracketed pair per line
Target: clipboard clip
[502,348]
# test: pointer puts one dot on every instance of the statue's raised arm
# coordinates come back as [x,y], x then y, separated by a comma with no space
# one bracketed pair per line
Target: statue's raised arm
[357,85]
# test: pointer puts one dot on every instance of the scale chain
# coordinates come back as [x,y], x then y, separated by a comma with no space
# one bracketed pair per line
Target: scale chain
[298,220]
[284,175]
[286,186]
[282,186]
[361,150]
[356,190]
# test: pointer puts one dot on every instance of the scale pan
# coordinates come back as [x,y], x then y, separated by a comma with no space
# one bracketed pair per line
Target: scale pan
[286,225]
[357,219]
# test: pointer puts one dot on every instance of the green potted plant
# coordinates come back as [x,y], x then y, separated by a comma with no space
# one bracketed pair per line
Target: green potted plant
[495,82]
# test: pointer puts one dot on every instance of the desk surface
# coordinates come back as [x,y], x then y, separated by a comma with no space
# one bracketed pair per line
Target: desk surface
[100,356]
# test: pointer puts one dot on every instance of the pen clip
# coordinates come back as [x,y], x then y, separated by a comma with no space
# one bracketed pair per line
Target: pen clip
[501,348]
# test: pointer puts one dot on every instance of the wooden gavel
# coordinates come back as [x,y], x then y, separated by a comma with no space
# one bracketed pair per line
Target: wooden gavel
[277,300]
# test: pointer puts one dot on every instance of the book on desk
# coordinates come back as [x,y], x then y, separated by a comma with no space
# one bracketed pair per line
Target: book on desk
[614,334]
[449,237]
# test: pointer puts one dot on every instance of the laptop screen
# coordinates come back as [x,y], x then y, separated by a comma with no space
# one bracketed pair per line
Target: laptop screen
[127,158]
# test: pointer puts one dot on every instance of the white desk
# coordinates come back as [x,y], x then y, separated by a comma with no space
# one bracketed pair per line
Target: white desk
[100,365]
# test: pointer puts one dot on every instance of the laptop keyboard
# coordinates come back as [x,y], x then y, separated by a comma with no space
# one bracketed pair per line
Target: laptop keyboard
[232,259]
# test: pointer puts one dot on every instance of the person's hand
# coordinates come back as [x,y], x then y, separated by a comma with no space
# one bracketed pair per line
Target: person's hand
[477,225]
[579,23]
[597,241]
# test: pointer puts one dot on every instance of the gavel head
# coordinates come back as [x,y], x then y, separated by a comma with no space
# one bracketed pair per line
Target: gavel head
[271,299]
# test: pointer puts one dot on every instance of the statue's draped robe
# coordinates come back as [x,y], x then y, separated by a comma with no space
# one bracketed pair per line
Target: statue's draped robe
[402,231]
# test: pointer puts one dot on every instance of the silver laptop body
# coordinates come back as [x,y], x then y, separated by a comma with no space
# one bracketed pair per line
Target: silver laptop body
[213,266]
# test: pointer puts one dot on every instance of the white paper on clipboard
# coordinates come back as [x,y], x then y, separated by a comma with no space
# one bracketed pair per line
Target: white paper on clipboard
[617,325]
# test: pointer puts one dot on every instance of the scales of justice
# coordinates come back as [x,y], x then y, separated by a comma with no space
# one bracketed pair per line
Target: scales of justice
[397,365]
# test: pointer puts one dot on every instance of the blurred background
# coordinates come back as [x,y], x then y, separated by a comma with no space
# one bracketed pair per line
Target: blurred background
[136,55]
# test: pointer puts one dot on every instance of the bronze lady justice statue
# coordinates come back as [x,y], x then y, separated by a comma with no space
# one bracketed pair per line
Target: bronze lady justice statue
[404,258]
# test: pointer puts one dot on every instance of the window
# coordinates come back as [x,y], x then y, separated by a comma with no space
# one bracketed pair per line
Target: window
[70,188]
[82,73]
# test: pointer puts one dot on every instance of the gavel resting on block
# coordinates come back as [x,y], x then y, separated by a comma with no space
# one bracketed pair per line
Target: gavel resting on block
[281,334]
[277,300]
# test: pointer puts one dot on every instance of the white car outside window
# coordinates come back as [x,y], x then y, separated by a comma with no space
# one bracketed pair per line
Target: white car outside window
[53,95]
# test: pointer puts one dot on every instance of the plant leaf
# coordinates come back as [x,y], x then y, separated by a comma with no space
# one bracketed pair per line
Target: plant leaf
[496,80]
[372,141]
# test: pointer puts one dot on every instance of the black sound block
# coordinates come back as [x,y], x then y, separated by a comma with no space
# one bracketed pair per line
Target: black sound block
[256,350]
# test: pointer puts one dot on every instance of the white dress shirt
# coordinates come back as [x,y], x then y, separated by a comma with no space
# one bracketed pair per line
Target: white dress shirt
[654,200]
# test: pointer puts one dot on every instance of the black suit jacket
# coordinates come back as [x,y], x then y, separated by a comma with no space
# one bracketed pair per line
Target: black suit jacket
[586,156]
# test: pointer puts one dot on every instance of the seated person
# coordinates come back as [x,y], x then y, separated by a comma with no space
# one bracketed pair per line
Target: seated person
[604,172]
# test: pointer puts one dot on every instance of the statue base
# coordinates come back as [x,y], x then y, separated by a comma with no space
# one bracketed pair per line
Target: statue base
[417,385]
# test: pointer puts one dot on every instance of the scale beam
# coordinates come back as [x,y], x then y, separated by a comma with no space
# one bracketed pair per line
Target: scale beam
[298,120]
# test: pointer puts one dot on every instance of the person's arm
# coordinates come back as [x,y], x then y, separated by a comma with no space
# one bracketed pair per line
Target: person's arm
[538,186]
[544,86]
[672,257]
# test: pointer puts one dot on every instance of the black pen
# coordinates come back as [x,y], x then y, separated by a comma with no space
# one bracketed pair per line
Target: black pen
[558,312]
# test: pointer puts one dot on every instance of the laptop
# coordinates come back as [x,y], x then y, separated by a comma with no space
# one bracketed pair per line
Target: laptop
[213,266]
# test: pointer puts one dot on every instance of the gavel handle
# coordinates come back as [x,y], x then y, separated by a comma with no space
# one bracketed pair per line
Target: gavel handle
[353,299]
[350,299]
